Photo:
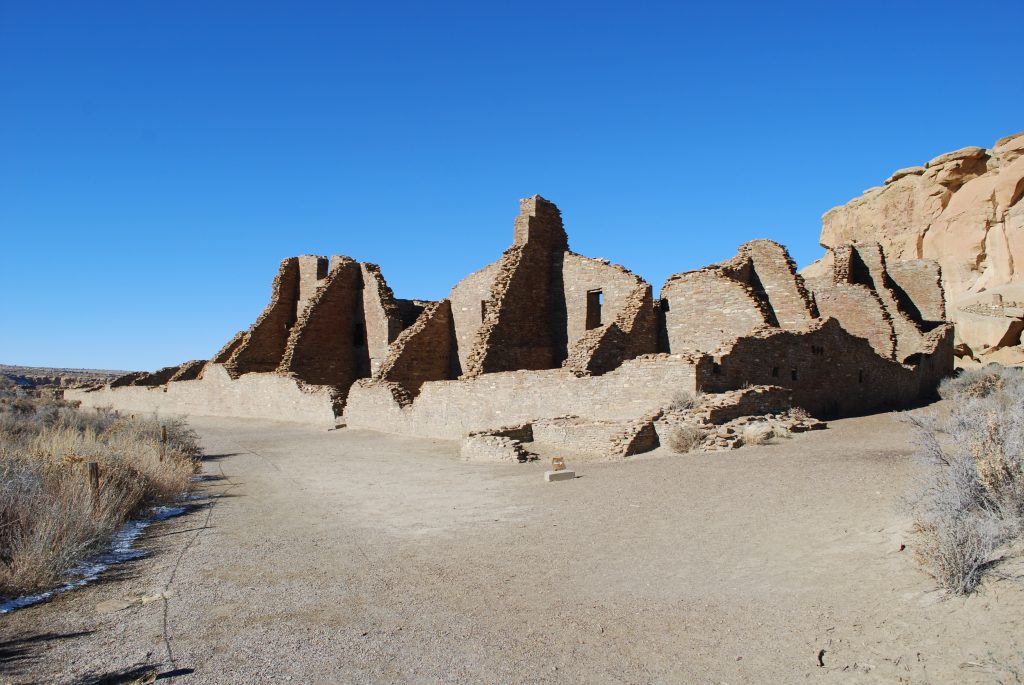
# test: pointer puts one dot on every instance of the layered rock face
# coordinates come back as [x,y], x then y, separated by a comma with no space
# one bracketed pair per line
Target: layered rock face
[962,209]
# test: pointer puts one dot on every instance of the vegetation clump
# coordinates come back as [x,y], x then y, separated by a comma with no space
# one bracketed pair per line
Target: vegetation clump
[970,500]
[51,519]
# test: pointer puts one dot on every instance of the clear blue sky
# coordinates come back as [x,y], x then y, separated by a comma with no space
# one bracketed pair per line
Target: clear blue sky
[158,159]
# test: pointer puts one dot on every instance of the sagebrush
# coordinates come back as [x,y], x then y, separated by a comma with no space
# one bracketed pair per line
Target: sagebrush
[49,521]
[971,497]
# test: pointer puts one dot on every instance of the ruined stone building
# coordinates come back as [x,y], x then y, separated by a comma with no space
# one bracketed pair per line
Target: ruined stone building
[549,347]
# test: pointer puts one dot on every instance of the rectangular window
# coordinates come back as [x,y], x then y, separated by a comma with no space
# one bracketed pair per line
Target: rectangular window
[775,372]
[483,309]
[359,335]
[594,301]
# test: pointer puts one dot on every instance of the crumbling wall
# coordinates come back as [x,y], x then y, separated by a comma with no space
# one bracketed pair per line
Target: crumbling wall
[468,301]
[921,280]
[267,396]
[524,322]
[146,378]
[865,264]
[584,277]
[704,309]
[312,270]
[263,347]
[321,348]
[381,313]
[422,352]
[224,354]
[780,284]
[860,312]
[634,332]
[450,409]
[829,371]
[189,371]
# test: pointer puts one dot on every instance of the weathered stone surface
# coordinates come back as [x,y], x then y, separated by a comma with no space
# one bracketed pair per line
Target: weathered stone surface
[962,210]
[253,395]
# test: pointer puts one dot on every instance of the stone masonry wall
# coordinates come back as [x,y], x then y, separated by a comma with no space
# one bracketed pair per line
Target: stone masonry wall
[450,409]
[524,323]
[921,280]
[468,300]
[267,396]
[263,347]
[312,270]
[829,371]
[320,349]
[382,317]
[865,264]
[422,352]
[704,309]
[634,332]
[582,275]
[189,371]
[783,287]
[224,353]
[860,312]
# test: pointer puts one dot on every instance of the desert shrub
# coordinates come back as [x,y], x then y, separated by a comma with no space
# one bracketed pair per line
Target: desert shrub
[799,414]
[48,520]
[978,383]
[685,400]
[758,433]
[684,437]
[970,498]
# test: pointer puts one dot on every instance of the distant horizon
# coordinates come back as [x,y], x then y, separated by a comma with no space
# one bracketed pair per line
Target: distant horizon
[160,161]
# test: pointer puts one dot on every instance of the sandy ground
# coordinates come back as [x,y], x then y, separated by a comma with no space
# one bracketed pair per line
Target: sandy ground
[354,557]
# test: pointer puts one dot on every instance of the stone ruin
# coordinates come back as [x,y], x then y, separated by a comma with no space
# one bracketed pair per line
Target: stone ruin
[546,349]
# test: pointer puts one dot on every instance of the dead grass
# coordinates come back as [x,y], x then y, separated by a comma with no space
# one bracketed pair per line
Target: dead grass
[758,433]
[684,437]
[971,497]
[48,519]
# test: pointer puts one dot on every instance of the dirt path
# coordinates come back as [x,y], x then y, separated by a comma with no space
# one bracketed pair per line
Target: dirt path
[351,557]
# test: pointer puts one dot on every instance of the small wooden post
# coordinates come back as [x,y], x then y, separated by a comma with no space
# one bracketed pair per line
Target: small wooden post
[93,473]
[163,442]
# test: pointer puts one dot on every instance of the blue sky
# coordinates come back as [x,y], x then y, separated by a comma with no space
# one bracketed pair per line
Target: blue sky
[158,159]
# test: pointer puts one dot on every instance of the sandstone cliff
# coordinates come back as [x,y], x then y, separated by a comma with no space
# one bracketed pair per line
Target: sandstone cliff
[963,210]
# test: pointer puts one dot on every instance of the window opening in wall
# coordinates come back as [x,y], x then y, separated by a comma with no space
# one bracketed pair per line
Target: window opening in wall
[793,374]
[359,335]
[775,372]
[860,376]
[716,368]
[483,309]
[594,302]
[664,304]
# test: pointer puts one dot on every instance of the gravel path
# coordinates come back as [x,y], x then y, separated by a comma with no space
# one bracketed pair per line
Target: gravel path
[355,557]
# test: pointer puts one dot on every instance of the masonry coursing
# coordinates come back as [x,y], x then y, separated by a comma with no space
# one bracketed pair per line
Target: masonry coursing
[545,333]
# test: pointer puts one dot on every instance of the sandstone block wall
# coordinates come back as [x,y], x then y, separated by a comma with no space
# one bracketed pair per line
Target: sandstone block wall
[921,280]
[381,314]
[773,275]
[262,349]
[831,372]
[321,347]
[704,309]
[468,301]
[423,352]
[861,313]
[264,396]
[448,409]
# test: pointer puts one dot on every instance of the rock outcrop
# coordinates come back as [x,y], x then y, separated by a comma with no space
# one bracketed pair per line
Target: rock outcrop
[963,209]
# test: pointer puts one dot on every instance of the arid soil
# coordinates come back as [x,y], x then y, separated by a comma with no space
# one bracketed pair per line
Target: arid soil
[353,557]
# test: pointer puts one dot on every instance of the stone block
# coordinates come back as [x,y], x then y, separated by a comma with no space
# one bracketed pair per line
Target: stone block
[551,476]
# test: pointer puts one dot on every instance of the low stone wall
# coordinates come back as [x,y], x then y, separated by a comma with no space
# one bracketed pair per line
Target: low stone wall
[451,409]
[256,395]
